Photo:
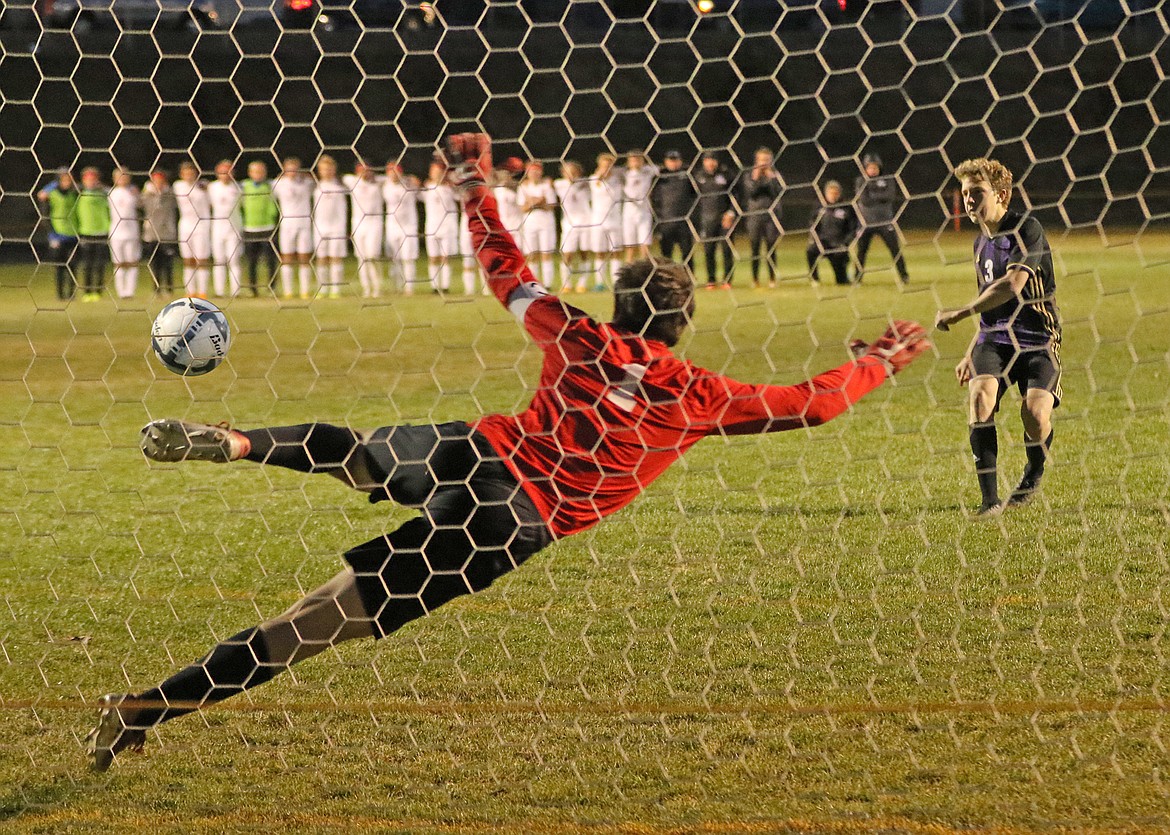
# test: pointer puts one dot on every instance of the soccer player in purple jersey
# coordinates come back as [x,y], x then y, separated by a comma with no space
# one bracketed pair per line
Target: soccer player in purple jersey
[1019,329]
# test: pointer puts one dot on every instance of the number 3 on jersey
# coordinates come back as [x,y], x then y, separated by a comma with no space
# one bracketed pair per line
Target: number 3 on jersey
[989,270]
[623,395]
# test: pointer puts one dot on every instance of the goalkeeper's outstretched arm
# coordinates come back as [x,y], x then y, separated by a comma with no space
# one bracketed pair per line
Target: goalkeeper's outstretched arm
[508,275]
[750,409]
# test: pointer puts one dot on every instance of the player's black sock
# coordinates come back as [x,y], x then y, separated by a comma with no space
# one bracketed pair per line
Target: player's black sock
[985,447]
[1037,452]
[231,667]
[307,447]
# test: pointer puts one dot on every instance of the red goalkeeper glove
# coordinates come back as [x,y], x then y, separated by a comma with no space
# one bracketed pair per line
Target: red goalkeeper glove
[899,346]
[470,158]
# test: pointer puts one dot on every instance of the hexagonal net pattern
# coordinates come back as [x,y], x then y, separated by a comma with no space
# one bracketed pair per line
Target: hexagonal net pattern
[801,630]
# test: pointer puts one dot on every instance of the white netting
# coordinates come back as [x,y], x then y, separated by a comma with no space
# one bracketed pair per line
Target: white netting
[794,632]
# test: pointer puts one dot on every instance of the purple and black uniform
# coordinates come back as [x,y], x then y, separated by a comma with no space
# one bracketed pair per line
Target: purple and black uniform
[1019,341]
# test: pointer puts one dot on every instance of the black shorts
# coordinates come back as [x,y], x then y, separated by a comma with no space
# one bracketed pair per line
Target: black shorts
[477,523]
[1028,368]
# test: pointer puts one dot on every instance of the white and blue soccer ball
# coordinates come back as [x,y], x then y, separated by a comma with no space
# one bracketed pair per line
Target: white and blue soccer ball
[190,336]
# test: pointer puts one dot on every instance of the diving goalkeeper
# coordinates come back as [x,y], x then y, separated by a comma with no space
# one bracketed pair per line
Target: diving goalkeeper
[613,410]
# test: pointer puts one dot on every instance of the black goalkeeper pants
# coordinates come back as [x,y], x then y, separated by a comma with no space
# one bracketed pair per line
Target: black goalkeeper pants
[476,522]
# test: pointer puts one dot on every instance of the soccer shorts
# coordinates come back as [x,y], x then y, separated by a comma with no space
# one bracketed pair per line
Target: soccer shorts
[606,238]
[195,240]
[331,244]
[443,244]
[295,236]
[476,525]
[574,238]
[636,225]
[1026,366]
[125,250]
[367,242]
[538,234]
[400,245]
[226,244]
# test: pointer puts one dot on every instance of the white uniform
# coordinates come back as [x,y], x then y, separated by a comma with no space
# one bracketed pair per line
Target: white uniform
[401,220]
[539,231]
[442,219]
[366,226]
[125,237]
[125,240]
[194,220]
[605,219]
[637,215]
[509,203]
[329,218]
[575,215]
[294,195]
[226,243]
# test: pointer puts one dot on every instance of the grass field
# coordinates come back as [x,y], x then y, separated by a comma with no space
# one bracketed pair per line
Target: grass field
[799,632]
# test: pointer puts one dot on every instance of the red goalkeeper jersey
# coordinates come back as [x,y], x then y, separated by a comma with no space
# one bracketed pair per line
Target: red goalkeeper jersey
[613,410]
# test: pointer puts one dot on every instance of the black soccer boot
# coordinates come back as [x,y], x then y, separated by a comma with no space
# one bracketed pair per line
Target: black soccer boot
[1025,492]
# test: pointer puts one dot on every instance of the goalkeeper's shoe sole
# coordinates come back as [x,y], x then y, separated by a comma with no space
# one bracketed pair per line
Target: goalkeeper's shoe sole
[178,440]
[111,736]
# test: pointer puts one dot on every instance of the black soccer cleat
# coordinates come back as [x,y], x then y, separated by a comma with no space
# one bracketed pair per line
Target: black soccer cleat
[179,440]
[1024,493]
[111,736]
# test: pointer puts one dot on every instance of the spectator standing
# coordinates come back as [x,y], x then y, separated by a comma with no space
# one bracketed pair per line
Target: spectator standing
[125,234]
[400,192]
[573,194]
[61,199]
[160,229]
[293,192]
[672,197]
[878,197]
[259,214]
[93,232]
[831,229]
[226,244]
[367,226]
[715,217]
[194,229]
[440,223]
[330,227]
[759,199]
[637,215]
[605,201]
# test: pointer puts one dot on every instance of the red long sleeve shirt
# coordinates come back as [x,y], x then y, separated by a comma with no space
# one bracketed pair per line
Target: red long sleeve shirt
[613,410]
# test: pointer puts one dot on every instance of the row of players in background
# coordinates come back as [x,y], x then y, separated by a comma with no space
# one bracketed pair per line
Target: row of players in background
[615,211]
[214,226]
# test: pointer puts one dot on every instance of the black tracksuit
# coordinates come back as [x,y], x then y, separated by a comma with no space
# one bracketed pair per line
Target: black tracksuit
[831,230]
[877,202]
[714,202]
[760,204]
[673,199]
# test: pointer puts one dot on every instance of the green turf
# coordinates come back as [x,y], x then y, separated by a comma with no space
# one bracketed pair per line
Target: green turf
[795,632]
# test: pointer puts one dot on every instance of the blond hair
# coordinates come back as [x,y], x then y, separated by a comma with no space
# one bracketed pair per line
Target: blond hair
[993,172]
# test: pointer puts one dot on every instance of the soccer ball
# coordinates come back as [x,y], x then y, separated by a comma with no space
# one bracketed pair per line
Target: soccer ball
[190,336]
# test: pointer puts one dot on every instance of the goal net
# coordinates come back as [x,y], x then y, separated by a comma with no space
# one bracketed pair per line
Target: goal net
[801,631]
